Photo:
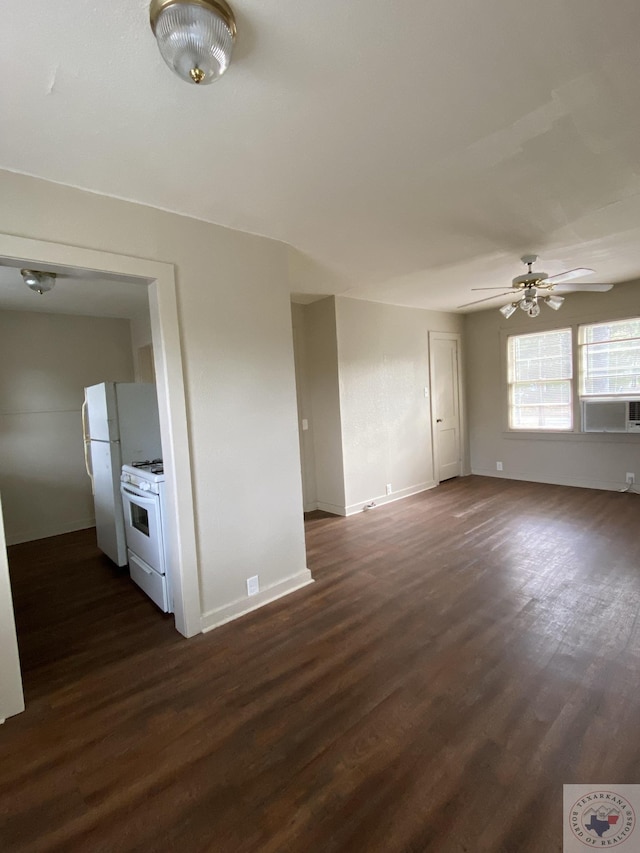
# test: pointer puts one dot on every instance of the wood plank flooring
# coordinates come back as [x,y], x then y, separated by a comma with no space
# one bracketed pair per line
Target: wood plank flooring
[462,654]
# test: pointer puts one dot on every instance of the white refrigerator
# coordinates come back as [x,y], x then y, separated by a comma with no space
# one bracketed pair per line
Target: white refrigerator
[120,424]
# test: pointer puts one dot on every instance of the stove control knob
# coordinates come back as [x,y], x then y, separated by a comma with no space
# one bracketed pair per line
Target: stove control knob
[126,478]
[145,486]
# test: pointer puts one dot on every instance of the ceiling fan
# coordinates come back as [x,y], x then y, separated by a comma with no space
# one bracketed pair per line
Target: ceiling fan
[535,287]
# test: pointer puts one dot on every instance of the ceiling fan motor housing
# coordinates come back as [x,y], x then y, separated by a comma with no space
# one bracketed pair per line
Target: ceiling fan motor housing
[530,279]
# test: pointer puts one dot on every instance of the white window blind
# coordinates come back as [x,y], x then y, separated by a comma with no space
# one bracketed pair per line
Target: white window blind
[540,381]
[610,359]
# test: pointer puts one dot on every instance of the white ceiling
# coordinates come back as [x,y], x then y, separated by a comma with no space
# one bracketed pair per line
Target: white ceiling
[75,292]
[408,151]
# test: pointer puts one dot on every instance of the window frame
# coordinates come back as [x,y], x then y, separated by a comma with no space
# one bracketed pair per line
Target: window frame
[582,348]
[541,430]
[577,433]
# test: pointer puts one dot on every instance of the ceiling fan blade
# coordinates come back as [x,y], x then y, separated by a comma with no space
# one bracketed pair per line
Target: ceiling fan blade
[587,285]
[579,272]
[486,299]
[515,289]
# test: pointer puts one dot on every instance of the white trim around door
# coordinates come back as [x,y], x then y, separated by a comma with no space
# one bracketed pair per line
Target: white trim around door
[160,278]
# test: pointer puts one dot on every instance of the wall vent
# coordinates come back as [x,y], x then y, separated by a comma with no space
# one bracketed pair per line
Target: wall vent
[611,416]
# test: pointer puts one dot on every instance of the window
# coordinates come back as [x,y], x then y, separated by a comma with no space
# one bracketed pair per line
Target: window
[610,359]
[540,381]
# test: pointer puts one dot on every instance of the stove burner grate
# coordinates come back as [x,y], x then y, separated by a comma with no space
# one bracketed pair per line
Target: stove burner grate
[148,463]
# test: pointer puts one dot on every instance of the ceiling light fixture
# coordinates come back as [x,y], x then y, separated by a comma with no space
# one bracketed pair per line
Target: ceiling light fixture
[554,301]
[195,37]
[508,309]
[530,303]
[533,288]
[40,282]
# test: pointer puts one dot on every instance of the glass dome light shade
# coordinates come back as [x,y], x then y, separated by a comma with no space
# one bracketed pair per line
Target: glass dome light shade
[39,282]
[195,37]
[529,302]
[533,309]
[508,309]
[554,301]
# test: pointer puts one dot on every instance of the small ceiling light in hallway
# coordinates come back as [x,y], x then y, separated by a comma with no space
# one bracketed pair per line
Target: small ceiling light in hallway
[40,282]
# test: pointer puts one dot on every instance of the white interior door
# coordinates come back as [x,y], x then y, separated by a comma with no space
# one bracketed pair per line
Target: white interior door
[445,404]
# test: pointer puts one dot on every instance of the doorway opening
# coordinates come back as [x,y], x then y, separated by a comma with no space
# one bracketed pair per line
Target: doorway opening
[158,280]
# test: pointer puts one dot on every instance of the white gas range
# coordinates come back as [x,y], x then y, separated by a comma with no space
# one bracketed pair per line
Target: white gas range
[143,501]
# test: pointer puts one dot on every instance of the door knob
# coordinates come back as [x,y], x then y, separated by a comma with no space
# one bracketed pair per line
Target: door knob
[438,420]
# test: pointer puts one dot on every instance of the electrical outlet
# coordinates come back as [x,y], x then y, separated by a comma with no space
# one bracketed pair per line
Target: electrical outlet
[389,488]
[305,424]
[631,478]
[498,466]
[253,585]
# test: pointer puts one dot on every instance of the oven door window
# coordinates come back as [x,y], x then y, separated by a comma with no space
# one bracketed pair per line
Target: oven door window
[143,527]
[139,518]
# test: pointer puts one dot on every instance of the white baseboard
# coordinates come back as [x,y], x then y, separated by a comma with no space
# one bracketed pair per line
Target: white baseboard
[221,615]
[557,480]
[46,531]
[332,508]
[386,499]
[379,500]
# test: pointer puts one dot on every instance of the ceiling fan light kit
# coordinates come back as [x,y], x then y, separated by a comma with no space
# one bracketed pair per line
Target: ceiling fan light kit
[508,309]
[554,301]
[536,287]
[195,37]
[529,304]
[39,282]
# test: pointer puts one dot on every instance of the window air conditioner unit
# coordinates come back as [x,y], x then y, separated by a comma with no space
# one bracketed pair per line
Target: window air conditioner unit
[611,416]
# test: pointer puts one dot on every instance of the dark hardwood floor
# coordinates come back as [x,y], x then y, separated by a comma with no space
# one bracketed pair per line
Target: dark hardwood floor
[462,655]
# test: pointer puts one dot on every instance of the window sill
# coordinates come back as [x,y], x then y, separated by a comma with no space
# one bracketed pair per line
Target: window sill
[549,435]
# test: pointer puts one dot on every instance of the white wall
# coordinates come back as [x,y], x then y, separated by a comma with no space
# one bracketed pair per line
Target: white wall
[597,461]
[46,360]
[235,325]
[383,353]
[363,367]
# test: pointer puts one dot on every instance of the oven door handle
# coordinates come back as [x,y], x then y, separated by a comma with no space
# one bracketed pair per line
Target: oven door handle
[141,497]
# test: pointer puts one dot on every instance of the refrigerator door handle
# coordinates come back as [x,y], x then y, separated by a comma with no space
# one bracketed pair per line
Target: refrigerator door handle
[87,443]
[84,420]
